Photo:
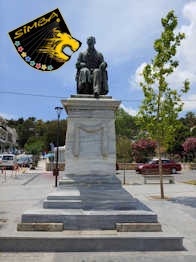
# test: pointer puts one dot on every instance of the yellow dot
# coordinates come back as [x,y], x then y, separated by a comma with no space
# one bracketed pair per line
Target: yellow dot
[58,20]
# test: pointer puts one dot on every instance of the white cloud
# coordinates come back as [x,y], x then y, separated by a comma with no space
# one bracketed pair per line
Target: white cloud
[135,80]
[190,103]
[186,55]
[129,110]
[6,115]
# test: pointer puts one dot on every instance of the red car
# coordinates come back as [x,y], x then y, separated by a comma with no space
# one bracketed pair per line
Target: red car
[166,163]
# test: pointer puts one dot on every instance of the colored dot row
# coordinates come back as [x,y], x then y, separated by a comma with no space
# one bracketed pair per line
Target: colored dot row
[28,59]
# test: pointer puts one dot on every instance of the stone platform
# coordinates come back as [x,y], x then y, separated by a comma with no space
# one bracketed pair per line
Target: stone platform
[89,206]
[90,196]
[90,241]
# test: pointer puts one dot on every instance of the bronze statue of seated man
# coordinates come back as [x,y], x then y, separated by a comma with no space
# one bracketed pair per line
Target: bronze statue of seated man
[91,74]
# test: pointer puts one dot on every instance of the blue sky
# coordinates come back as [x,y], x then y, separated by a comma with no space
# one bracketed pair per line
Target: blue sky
[125,32]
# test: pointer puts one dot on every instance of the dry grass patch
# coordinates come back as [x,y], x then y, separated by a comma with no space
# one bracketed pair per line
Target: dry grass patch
[191,182]
[159,197]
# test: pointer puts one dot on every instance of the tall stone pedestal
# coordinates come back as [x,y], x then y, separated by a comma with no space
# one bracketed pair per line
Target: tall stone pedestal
[90,196]
[90,138]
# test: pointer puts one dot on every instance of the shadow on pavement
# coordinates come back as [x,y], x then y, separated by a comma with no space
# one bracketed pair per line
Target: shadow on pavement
[186,201]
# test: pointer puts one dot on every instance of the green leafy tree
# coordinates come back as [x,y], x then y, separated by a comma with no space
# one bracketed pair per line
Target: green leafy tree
[193,131]
[190,119]
[50,132]
[123,149]
[162,104]
[34,146]
[24,129]
[125,124]
[186,128]
[175,146]
[40,128]
[126,130]
[43,131]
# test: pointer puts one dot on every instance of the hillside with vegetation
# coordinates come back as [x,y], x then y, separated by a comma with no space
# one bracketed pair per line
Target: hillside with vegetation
[132,144]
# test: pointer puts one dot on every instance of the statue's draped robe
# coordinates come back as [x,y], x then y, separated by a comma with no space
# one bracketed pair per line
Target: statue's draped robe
[90,77]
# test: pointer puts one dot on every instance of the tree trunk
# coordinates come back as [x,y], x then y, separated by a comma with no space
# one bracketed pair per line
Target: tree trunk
[160,169]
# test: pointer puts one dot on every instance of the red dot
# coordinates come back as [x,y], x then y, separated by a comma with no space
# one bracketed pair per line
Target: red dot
[20,49]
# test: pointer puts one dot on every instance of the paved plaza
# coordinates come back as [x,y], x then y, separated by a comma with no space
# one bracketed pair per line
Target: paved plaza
[28,189]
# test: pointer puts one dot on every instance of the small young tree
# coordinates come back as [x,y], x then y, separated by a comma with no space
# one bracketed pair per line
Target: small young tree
[161,104]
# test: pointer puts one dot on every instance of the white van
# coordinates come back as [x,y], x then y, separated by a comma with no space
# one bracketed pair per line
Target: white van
[8,161]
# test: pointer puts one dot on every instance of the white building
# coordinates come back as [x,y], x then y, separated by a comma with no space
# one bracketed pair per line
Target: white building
[50,165]
[61,154]
[8,137]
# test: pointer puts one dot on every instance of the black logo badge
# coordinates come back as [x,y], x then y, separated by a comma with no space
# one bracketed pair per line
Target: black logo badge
[41,43]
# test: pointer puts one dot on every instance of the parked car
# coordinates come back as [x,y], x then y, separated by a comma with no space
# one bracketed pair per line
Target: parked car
[8,161]
[1,156]
[154,164]
[24,161]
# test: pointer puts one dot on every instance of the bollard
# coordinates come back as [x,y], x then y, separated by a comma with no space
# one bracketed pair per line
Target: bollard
[124,177]
[5,173]
[19,170]
[16,170]
[13,168]
[24,168]
[3,169]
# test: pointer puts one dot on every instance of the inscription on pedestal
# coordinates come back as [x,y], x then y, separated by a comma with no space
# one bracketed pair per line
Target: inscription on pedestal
[91,140]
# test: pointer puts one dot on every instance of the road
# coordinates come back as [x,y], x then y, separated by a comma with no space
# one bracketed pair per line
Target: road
[131,177]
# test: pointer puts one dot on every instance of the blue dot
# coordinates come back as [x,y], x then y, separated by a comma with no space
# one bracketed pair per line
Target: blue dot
[28,58]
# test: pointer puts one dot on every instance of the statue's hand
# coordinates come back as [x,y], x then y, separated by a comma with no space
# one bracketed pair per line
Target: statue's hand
[82,65]
[103,66]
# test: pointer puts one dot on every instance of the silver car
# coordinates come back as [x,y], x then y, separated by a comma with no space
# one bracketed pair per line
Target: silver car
[8,161]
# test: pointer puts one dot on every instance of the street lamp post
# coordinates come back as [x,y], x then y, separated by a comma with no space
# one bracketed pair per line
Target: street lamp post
[58,110]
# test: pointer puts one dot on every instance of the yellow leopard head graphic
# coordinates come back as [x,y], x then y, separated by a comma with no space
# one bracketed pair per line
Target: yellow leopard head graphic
[54,46]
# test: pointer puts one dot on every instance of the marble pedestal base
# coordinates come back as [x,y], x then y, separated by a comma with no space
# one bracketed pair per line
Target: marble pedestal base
[90,138]
[90,196]
[82,205]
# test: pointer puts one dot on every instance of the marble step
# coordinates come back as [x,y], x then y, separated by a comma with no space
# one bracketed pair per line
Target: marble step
[67,204]
[92,195]
[89,179]
[90,205]
[65,195]
[80,219]
[97,242]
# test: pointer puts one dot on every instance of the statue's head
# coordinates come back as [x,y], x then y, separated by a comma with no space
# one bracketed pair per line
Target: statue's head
[91,41]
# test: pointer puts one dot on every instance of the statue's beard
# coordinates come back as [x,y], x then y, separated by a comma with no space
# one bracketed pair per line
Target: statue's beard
[91,49]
